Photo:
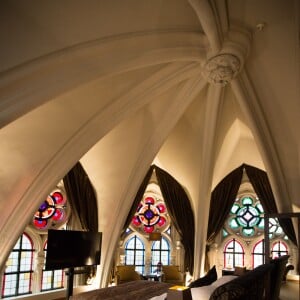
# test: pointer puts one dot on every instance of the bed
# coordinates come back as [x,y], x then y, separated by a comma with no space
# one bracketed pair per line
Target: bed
[150,290]
[134,290]
[249,286]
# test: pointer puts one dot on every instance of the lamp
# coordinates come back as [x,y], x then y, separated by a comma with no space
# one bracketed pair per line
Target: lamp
[154,236]
[179,292]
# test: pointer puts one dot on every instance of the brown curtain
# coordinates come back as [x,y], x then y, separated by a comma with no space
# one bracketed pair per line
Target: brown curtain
[224,194]
[137,199]
[262,187]
[181,213]
[222,199]
[82,198]
[179,209]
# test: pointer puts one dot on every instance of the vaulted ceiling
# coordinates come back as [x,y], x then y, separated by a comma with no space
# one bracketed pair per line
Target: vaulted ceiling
[196,86]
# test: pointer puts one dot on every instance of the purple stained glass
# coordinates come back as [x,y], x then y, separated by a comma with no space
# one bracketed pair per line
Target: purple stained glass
[43,206]
[149,214]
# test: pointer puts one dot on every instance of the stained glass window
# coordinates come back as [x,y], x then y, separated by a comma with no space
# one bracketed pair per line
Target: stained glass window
[275,229]
[246,217]
[150,215]
[53,279]
[244,231]
[135,253]
[52,211]
[18,273]
[160,252]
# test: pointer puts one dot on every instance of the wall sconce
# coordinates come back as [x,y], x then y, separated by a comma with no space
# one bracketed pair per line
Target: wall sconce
[179,293]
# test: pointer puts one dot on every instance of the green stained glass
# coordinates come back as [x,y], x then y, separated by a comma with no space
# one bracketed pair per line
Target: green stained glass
[261,224]
[248,231]
[253,221]
[247,201]
[241,221]
[225,233]
[235,208]
[233,223]
[260,208]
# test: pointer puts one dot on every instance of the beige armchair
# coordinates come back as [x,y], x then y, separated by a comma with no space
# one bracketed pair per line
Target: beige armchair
[126,274]
[172,274]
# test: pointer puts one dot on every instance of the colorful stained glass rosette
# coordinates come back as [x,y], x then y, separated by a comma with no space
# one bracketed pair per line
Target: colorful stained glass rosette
[150,215]
[51,212]
[247,217]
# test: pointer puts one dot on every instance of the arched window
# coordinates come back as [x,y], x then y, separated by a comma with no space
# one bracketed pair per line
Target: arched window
[279,249]
[258,254]
[53,279]
[233,254]
[246,223]
[135,253]
[18,273]
[160,252]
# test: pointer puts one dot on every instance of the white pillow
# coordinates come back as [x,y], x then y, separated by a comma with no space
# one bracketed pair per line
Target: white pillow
[202,292]
[223,280]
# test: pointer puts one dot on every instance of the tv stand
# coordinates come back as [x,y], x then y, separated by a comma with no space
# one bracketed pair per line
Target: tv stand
[70,273]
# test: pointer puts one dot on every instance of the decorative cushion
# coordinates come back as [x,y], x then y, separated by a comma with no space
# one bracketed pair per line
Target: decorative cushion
[238,271]
[208,279]
[171,272]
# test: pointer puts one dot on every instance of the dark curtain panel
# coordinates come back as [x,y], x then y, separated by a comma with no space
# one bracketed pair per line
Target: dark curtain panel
[181,213]
[138,198]
[259,180]
[221,201]
[82,197]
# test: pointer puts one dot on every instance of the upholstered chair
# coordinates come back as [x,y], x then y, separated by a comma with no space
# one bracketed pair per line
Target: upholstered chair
[126,274]
[172,274]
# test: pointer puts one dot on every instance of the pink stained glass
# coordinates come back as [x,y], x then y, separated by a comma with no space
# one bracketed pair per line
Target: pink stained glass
[161,208]
[149,200]
[58,215]
[59,199]
[40,223]
[148,229]
[162,221]
[136,221]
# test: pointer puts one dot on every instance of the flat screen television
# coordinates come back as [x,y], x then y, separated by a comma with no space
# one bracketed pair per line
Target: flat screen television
[70,249]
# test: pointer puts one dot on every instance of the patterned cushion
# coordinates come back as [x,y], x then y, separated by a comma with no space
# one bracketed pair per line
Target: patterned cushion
[208,279]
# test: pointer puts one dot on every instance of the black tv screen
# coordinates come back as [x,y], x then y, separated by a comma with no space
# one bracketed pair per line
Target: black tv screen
[69,249]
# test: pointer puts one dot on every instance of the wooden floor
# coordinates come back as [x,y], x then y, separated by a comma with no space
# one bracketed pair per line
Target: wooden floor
[290,290]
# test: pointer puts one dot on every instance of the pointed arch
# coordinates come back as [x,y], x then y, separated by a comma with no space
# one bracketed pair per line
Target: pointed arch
[179,208]
[222,199]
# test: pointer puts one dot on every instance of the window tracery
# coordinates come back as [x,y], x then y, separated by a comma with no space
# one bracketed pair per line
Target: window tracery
[52,212]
